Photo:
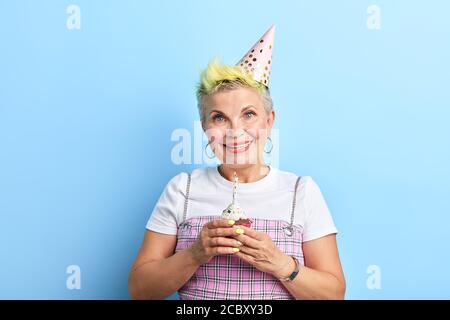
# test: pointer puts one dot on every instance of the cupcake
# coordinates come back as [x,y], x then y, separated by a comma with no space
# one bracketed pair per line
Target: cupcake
[234,211]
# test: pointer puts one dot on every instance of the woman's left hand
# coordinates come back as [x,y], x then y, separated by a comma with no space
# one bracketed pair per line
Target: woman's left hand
[260,251]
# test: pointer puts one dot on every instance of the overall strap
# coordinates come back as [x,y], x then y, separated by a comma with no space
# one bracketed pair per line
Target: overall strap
[186,197]
[294,202]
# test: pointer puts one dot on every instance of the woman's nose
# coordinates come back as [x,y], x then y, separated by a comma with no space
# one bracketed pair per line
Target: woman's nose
[237,124]
[234,133]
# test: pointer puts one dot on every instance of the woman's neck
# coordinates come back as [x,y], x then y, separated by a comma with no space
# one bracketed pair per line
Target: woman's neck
[247,174]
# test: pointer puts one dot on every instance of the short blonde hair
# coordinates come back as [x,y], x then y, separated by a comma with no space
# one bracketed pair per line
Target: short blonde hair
[219,77]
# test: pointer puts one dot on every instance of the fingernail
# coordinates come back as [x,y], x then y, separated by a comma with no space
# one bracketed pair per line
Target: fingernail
[240,231]
[235,249]
[239,243]
[231,222]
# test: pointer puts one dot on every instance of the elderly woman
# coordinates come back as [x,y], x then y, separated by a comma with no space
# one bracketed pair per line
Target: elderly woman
[289,251]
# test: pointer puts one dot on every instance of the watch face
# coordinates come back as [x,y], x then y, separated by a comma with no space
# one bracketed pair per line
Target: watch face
[293,275]
[297,269]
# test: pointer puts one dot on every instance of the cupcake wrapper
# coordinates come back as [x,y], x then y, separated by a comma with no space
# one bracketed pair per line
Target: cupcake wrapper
[244,222]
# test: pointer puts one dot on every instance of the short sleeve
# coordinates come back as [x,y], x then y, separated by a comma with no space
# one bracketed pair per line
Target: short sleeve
[319,222]
[167,211]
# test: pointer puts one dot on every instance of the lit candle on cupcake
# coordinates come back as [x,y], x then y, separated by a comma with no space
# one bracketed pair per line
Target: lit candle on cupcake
[234,211]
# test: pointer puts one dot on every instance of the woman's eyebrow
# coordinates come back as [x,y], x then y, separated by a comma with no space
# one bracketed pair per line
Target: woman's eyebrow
[247,107]
[218,111]
[243,109]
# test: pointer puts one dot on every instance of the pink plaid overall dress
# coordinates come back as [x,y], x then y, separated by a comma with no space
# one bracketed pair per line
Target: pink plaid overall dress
[227,276]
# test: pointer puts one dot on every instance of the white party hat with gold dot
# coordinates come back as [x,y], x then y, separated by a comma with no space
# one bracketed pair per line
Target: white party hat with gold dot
[258,60]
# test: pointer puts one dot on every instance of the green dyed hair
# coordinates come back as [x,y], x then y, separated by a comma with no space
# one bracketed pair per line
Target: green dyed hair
[219,77]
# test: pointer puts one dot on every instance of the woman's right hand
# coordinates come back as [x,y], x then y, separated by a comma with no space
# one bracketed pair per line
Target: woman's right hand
[214,239]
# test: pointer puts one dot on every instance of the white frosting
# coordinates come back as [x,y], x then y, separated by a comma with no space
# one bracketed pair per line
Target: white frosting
[234,212]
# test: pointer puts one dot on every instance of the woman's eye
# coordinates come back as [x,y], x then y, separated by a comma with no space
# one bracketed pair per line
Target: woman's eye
[218,118]
[249,115]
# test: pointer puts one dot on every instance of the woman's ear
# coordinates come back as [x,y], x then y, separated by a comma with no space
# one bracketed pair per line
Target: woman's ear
[271,119]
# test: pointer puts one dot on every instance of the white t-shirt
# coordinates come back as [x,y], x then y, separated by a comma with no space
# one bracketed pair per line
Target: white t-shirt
[268,198]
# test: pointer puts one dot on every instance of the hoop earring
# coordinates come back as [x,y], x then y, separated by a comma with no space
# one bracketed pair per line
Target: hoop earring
[271,145]
[206,152]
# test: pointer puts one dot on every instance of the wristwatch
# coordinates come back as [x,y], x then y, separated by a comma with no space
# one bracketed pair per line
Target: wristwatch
[294,273]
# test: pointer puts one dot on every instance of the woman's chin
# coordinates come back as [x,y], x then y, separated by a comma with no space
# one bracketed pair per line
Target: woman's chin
[239,160]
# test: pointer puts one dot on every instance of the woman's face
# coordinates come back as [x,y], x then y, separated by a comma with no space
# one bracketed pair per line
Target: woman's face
[237,126]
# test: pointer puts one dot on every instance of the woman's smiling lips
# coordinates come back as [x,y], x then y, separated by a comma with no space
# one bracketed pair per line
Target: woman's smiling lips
[237,147]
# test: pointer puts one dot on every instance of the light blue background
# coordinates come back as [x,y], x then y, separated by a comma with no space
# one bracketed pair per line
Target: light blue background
[86,117]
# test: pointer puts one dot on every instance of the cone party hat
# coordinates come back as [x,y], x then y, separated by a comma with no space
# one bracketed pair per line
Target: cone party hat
[258,60]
